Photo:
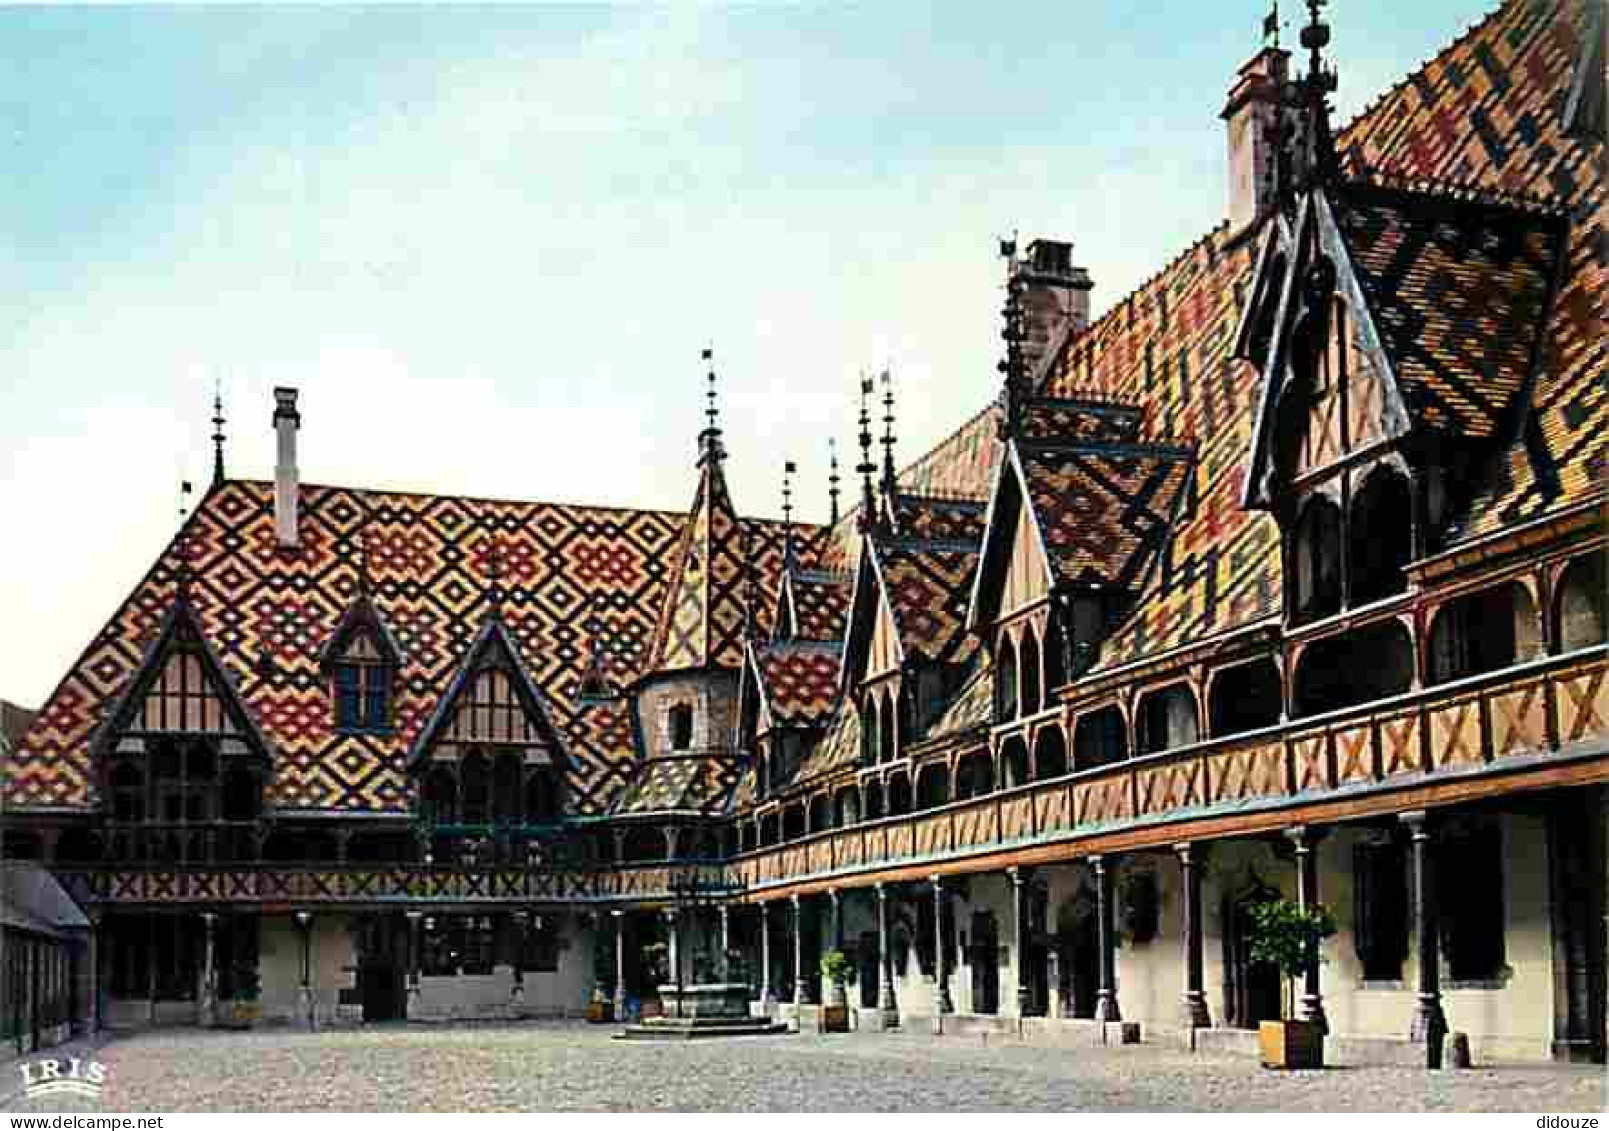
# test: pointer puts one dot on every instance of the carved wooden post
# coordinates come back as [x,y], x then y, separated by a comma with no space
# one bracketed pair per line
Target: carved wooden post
[1191,857]
[801,988]
[886,1008]
[673,921]
[1019,921]
[416,952]
[725,966]
[304,921]
[1306,841]
[765,958]
[1106,1007]
[521,922]
[941,990]
[835,904]
[209,974]
[1429,1022]
[618,915]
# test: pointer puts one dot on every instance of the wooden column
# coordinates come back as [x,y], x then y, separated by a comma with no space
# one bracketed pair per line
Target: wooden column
[885,964]
[673,920]
[801,988]
[1305,841]
[209,973]
[1191,858]
[836,904]
[765,957]
[1429,1022]
[304,923]
[619,918]
[725,965]
[1106,1007]
[941,975]
[520,922]
[1019,922]
[416,953]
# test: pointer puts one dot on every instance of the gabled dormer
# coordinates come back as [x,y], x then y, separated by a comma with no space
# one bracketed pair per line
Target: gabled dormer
[361,660]
[1401,344]
[1079,515]
[786,696]
[490,753]
[180,745]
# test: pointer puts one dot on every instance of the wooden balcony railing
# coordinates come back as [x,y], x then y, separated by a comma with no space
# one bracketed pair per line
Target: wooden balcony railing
[1524,719]
[273,885]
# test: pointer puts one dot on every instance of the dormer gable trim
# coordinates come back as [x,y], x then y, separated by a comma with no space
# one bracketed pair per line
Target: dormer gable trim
[493,647]
[362,616]
[181,630]
[1009,499]
[869,603]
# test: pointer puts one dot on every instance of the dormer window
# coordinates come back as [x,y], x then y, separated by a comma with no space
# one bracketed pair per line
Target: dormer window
[680,725]
[361,661]
[362,696]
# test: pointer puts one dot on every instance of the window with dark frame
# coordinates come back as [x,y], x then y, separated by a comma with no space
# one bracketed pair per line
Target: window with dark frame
[1470,879]
[362,696]
[1380,909]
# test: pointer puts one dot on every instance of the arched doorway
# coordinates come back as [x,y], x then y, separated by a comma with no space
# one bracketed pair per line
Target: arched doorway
[1360,666]
[932,785]
[1581,617]
[1050,753]
[1316,561]
[974,776]
[1245,697]
[1014,762]
[1484,631]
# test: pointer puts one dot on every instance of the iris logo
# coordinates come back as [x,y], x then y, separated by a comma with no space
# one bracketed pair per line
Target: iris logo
[70,1077]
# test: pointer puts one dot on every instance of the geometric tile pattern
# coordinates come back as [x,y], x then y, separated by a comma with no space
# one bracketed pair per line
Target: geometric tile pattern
[268,614]
[929,585]
[799,682]
[691,783]
[819,603]
[1457,290]
[1104,512]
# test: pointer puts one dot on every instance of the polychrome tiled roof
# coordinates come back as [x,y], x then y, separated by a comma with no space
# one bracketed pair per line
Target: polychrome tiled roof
[799,680]
[268,614]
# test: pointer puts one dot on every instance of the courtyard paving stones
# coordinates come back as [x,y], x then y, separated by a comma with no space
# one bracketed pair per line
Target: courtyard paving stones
[577,1067]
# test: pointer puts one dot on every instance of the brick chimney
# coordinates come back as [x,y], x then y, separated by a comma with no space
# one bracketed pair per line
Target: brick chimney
[1252,112]
[1055,295]
[287,479]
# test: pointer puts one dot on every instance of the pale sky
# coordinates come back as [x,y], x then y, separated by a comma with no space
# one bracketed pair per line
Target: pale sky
[488,244]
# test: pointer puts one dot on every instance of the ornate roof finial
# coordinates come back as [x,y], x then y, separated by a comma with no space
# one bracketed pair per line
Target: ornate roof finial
[868,495]
[751,588]
[710,438]
[365,583]
[832,478]
[1271,26]
[183,579]
[217,434]
[1318,144]
[890,476]
[1012,367]
[788,470]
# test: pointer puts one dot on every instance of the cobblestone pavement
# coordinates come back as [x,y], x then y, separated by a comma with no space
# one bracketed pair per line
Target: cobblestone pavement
[577,1067]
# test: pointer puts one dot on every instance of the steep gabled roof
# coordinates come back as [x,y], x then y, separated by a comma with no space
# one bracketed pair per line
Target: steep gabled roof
[812,605]
[693,783]
[797,681]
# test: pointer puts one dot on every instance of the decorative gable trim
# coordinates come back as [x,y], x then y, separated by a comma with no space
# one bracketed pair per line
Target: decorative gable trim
[362,615]
[1316,234]
[492,648]
[868,604]
[181,631]
[1009,501]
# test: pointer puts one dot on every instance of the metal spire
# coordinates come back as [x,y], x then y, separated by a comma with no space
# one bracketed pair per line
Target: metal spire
[890,476]
[365,583]
[217,434]
[1012,367]
[1318,145]
[868,496]
[788,470]
[832,477]
[710,438]
[183,580]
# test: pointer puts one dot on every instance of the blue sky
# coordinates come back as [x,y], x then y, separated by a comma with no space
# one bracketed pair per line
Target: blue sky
[488,244]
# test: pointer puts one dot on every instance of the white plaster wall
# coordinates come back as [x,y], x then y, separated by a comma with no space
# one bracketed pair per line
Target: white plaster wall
[564,992]
[280,965]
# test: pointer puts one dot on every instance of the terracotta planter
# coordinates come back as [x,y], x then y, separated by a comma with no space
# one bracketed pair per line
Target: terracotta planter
[1291,1044]
[242,1014]
[835,1019]
[600,1011]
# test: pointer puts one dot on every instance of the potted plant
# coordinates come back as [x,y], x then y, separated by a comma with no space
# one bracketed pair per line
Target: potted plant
[836,973]
[245,1008]
[1287,936]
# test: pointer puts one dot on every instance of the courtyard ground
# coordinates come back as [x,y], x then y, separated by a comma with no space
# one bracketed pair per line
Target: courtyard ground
[579,1067]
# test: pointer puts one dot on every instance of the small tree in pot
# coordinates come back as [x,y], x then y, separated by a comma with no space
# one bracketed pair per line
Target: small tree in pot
[836,973]
[1287,936]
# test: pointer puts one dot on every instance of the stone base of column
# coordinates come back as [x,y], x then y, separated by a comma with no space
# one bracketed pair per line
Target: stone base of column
[1194,1010]
[619,1003]
[1429,1028]
[309,1015]
[945,1004]
[1106,1007]
[887,1011]
[1311,1008]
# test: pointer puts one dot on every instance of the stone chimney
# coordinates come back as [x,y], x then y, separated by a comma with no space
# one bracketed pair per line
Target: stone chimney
[1252,112]
[1055,294]
[287,480]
